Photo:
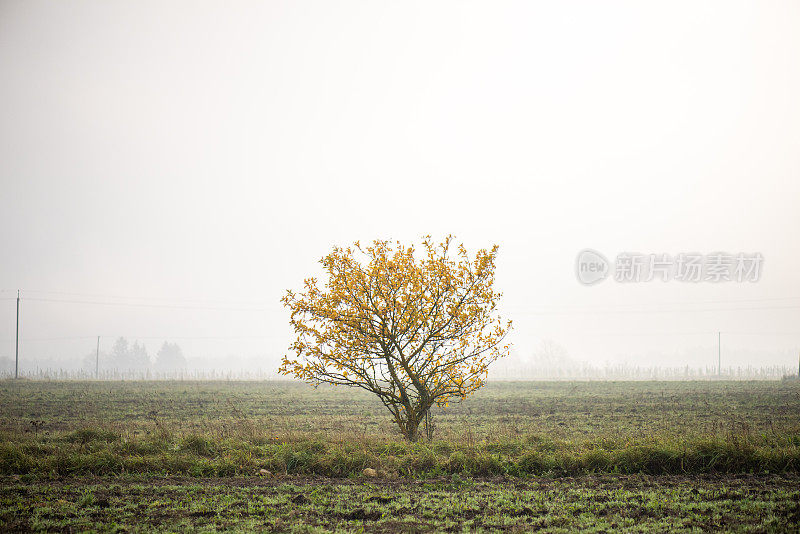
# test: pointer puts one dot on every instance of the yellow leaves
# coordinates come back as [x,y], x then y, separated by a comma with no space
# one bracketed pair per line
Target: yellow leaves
[422,320]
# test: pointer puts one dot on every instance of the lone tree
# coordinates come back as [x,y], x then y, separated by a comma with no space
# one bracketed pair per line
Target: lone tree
[416,332]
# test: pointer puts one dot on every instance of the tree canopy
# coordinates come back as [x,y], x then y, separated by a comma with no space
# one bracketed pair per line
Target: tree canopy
[170,356]
[416,328]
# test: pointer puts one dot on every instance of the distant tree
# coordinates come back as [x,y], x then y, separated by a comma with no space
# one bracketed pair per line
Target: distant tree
[551,354]
[415,332]
[125,356]
[120,354]
[170,356]
[138,356]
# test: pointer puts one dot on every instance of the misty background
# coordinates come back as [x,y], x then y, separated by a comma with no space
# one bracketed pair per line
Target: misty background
[168,170]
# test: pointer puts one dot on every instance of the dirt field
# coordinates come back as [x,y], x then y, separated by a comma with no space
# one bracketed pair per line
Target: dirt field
[174,456]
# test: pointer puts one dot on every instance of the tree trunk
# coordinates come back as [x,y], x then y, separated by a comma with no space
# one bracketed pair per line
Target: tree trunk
[410,429]
[412,426]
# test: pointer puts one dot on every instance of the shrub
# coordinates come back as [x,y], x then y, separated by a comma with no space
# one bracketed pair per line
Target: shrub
[457,462]
[597,460]
[488,464]
[13,461]
[648,459]
[533,463]
[423,459]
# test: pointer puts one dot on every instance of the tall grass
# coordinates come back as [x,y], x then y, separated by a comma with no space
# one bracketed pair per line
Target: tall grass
[514,429]
[100,451]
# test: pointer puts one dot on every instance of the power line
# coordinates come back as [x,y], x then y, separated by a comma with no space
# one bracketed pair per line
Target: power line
[571,333]
[511,312]
[677,310]
[242,305]
[200,337]
[258,306]
[66,338]
[675,303]
[699,333]
[145,305]
[75,338]
[137,297]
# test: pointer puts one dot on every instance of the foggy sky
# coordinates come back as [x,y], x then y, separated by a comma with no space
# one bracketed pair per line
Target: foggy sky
[191,161]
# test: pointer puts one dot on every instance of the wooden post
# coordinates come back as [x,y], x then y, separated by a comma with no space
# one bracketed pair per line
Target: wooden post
[16,349]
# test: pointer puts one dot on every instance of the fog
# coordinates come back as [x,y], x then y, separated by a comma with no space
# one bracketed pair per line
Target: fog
[169,170]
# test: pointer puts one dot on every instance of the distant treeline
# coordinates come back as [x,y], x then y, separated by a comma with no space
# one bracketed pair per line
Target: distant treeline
[614,372]
[635,372]
[143,374]
[123,358]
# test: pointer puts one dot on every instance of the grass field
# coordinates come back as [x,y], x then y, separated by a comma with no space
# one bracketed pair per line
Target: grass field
[285,456]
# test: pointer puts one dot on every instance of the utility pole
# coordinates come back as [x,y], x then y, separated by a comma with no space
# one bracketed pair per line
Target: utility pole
[719,353]
[97,360]
[16,349]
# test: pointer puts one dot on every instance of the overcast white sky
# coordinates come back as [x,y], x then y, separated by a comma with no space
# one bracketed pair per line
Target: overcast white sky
[206,154]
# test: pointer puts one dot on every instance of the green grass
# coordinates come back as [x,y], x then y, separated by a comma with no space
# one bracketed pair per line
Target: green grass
[633,504]
[517,429]
[194,455]
[557,456]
